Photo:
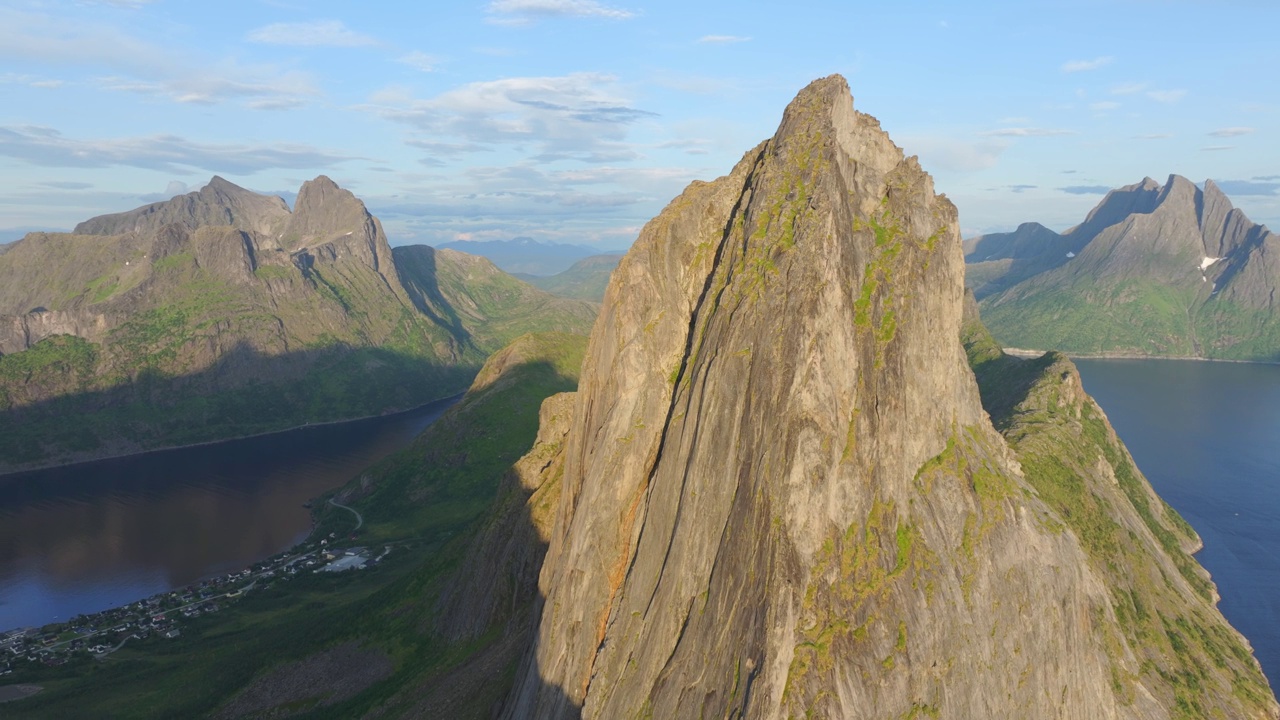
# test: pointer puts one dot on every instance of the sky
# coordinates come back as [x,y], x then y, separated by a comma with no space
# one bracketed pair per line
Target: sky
[578,120]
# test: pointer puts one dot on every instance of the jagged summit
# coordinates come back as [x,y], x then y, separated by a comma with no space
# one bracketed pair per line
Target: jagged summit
[1154,269]
[220,202]
[782,496]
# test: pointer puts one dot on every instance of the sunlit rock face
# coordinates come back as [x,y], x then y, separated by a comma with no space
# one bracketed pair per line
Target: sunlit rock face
[782,495]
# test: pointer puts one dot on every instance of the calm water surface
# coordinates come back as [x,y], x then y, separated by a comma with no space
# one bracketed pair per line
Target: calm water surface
[1207,435]
[88,537]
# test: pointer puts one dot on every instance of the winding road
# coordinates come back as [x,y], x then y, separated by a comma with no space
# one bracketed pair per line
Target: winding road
[359,518]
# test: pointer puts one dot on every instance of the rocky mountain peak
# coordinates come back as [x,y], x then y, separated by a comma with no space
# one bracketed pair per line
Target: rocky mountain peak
[219,203]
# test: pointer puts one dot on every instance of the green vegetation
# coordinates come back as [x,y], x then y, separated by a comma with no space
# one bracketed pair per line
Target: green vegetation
[586,280]
[1082,472]
[427,501]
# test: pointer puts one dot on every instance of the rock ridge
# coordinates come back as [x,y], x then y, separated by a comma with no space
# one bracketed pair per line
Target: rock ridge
[782,495]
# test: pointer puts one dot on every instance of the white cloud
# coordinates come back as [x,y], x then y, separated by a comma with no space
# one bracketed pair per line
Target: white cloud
[1153,136]
[1104,106]
[120,61]
[46,147]
[580,116]
[315,33]
[419,61]
[1074,66]
[722,39]
[1218,148]
[518,12]
[1027,132]
[691,146]
[1128,88]
[1231,132]
[1167,97]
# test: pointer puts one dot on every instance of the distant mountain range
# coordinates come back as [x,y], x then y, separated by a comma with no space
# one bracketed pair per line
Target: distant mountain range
[1154,270]
[223,312]
[587,279]
[526,256]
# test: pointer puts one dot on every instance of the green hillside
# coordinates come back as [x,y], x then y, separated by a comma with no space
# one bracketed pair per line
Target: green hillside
[181,332]
[341,645]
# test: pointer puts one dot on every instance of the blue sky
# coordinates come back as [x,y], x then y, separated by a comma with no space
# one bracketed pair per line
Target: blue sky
[578,120]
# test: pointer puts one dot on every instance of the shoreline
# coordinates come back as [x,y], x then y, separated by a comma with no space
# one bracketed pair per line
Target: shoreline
[7,474]
[1029,353]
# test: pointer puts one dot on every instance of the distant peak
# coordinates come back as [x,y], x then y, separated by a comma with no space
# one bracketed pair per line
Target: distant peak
[217,182]
[1148,184]
[323,182]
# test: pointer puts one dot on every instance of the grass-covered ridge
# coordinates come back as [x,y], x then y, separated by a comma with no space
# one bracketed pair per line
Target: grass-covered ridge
[427,501]
[1161,599]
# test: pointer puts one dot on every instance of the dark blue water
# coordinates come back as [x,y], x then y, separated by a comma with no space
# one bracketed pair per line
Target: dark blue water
[88,537]
[1207,436]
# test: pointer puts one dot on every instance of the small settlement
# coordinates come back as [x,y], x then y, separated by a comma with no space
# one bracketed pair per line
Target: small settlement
[101,634]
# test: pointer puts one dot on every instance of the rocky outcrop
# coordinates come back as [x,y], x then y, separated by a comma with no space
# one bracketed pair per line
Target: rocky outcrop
[19,332]
[782,496]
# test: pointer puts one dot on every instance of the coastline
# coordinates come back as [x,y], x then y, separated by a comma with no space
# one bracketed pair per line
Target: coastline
[1029,353]
[6,474]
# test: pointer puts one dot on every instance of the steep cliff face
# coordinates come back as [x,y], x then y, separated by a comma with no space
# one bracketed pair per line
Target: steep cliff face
[782,495]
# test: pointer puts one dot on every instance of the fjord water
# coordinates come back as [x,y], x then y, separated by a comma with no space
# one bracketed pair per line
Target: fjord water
[88,537]
[1207,436]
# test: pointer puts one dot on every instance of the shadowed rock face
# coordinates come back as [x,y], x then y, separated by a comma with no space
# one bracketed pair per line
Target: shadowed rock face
[781,493]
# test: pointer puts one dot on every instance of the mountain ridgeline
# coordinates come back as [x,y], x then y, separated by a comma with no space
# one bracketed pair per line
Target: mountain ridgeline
[222,312]
[781,494]
[1160,270]
[798,478]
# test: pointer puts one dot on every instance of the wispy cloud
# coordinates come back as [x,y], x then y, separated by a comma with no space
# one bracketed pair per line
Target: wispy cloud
[1086,189]
[581,116]
[1128,88]
[1075,66]
[1104,106]
[314,33]
[47,147]
[1250,187]
[691,146]
[1217,148]
[521,12]
[419,60]
[722,39]
[1027,132]
[29,81]
[1153,136]
[120,61]
[1228,132]
[67,185]
[1167,97]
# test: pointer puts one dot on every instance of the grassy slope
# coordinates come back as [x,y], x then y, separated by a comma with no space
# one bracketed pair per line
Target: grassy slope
[293,351]
[430,496]
[1134,316]
[586,280]
[1077,465]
